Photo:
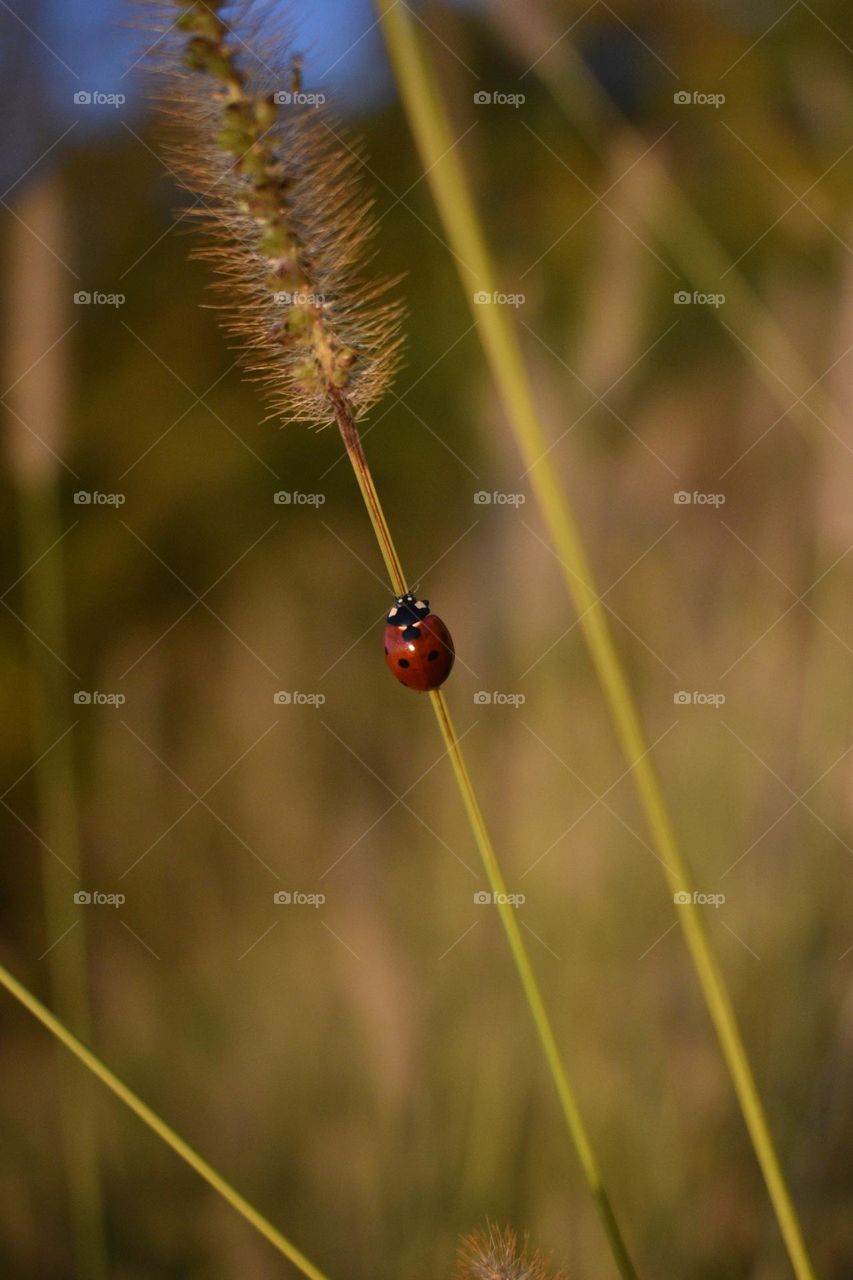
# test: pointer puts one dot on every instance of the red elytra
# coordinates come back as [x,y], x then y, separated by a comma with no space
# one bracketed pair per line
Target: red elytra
[418,647]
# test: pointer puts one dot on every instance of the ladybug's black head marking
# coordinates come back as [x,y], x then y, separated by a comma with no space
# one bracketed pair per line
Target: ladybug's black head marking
[407,610]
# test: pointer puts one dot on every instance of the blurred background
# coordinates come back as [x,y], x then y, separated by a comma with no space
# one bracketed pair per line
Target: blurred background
[197,716]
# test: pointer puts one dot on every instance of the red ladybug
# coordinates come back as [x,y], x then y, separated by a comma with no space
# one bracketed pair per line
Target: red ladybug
[418,647]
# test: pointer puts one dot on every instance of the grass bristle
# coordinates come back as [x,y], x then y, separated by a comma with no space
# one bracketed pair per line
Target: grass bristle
[497,1254]
[280,201]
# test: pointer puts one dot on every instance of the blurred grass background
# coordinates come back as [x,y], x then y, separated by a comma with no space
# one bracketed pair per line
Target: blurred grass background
[364,1071]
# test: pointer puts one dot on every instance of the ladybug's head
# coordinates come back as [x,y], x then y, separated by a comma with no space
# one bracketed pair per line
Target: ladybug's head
[407,610]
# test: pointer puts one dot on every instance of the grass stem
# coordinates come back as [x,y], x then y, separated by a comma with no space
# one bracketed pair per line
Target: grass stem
[521,959]
[36,289]
[440,159]
[335,379]
[158,1126]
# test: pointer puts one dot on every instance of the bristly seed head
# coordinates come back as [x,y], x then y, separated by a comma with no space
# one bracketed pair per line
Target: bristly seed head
[277,191]
[496,1254]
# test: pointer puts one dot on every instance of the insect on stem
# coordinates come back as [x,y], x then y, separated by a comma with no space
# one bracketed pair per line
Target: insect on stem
[289,230]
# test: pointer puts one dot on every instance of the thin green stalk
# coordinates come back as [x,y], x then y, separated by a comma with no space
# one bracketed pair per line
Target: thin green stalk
[58,819]
[532,992]
[521,959]
[430,125]
[356,455]
[319,375]
[158,1126]
[37,286]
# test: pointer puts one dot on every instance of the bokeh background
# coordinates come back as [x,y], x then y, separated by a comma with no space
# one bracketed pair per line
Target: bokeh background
[364,1070]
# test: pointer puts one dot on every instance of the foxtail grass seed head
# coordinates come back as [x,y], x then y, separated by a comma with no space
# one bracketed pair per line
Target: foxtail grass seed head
[277,191]
[497,1254]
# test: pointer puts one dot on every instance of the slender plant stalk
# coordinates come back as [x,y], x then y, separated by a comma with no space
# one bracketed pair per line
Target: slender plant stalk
[55,792]
[356,455]
[37,402]
[521,959]
[430,126]
[158,1126]
[288,230]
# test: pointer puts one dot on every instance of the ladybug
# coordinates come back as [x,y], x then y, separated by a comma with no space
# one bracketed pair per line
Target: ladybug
[418,647]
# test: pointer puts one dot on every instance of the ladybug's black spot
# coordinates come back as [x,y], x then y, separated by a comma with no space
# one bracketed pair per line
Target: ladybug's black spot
[386,649]
[432,655]
[403,662]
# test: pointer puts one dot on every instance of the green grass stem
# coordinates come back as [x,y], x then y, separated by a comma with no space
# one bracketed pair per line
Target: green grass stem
[442,165]
[158,1126]
[521,959]
[37,287]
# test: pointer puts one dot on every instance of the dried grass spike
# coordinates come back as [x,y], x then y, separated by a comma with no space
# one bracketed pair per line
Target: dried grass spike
[278,195]
[496,1254]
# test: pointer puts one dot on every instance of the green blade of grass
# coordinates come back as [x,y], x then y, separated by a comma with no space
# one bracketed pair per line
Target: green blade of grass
[158,1126]
[36,293]
[58,825]
[532,992]
[442,166]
